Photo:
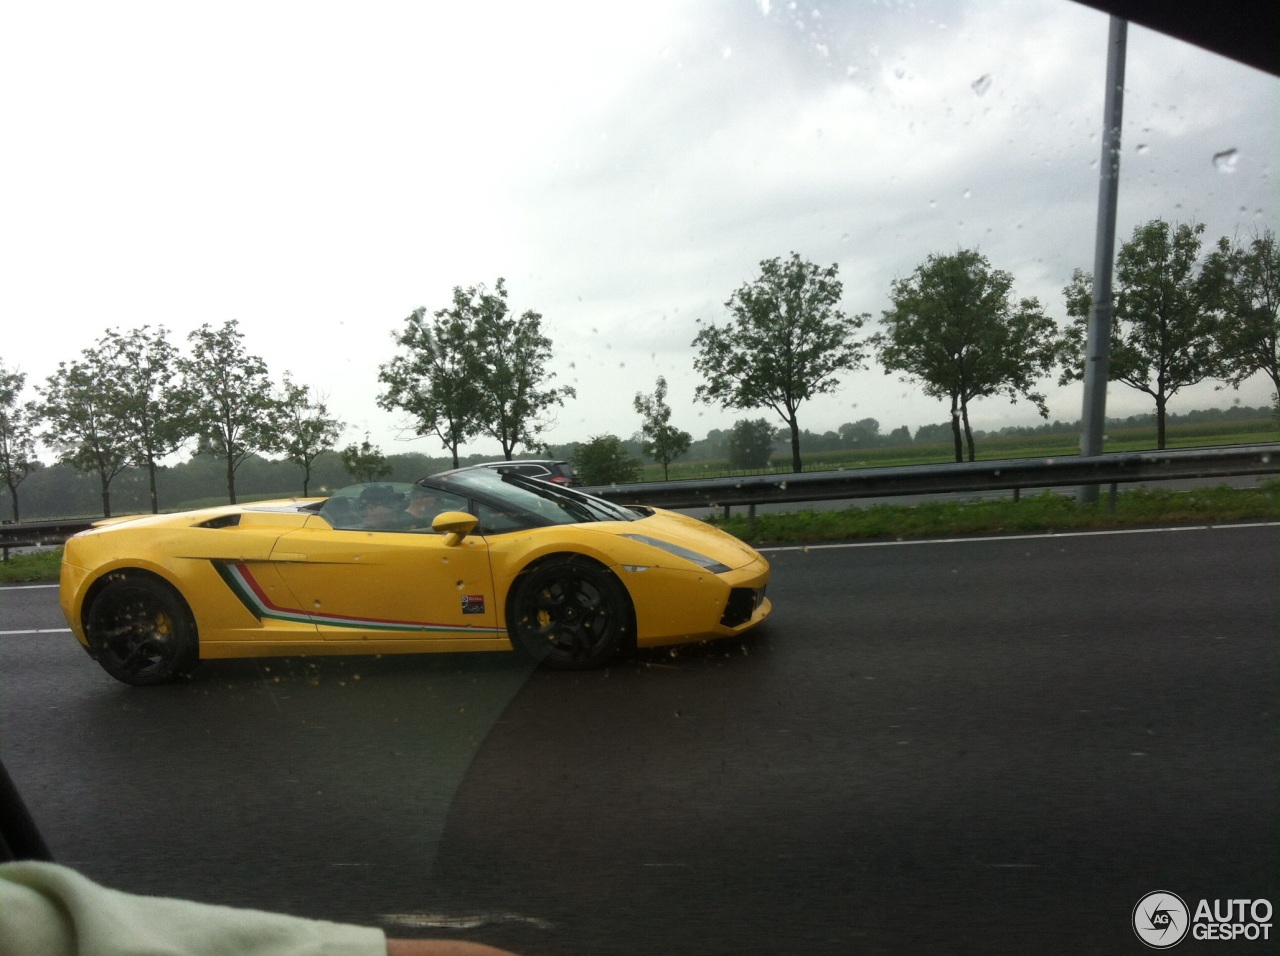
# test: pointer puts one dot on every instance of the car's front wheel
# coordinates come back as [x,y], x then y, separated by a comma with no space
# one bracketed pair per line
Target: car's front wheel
[570,614]
[141,631]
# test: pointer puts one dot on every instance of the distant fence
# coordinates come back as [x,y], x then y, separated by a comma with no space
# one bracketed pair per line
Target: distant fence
[1014,474]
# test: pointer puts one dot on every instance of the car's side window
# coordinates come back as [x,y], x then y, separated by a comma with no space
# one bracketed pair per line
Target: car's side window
[493,521]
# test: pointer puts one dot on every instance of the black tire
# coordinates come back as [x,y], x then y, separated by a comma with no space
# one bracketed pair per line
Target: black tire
[569,614]
[141,631]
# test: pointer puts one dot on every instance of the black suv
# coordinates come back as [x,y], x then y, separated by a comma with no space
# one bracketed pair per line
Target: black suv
[557,472]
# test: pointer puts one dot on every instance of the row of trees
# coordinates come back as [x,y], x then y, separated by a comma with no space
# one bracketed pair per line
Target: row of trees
[476,368]
[133,399]
[955,328]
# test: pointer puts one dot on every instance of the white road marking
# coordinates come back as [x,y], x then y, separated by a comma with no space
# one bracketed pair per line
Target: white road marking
[38,630]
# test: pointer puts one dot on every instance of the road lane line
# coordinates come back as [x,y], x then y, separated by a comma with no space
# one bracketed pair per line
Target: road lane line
[38,630]
[1019,537]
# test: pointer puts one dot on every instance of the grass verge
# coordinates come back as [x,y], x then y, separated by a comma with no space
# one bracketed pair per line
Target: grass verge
[1045,512]
[31,566]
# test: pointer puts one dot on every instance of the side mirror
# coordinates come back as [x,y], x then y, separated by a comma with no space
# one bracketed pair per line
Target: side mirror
[455,524]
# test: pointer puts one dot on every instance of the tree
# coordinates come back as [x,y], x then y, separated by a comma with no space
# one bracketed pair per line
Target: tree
[511,357]
[604,461]
[142,367]
[17,436]
[787,342]
[82,417]
[307,430]
[1244,286]
[660,440]
[750,444]
[365,462]
[955,327]
[229,399]
[864,433]
[1162,337]
[435,379]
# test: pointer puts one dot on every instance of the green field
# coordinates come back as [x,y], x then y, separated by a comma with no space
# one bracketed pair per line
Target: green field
[1138,438]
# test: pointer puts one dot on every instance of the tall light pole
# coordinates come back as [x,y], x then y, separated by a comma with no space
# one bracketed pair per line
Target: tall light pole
[1097,362]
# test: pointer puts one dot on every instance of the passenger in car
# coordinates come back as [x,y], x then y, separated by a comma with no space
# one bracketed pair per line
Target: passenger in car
[424,504]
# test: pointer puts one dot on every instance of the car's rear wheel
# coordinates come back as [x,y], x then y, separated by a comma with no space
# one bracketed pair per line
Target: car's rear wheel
[141,631]
[570,614]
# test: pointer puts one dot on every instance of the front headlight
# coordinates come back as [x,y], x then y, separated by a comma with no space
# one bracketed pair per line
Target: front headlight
[701,560]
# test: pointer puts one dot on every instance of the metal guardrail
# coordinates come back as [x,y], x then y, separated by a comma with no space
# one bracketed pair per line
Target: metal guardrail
[1014,473]
[1003,475]
[35,534]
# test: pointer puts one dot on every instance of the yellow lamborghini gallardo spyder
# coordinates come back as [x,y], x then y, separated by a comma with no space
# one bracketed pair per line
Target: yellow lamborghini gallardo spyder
[468,560]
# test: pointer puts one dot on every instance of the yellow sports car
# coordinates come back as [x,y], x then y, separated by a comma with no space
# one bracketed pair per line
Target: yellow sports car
[468,560]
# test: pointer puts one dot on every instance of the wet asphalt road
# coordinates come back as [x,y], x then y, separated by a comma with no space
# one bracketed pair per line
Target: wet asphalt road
[986,746]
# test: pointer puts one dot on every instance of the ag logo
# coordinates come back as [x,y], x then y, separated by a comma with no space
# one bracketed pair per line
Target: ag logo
[1161,919]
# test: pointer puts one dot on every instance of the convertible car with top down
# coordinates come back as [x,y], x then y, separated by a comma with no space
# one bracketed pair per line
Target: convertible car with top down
[467,560]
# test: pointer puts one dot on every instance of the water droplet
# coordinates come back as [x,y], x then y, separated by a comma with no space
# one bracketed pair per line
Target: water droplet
[1225,161]
[981,84]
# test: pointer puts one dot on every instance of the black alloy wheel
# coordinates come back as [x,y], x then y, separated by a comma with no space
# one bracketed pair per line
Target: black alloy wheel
[569,614]
[141,631]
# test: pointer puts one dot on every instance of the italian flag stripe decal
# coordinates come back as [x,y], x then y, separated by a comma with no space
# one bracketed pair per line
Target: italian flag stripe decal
[251,594]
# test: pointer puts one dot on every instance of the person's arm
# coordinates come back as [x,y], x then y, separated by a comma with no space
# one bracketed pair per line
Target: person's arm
[49,910]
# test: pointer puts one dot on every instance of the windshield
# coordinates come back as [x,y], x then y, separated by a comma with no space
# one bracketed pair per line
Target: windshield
[536,496]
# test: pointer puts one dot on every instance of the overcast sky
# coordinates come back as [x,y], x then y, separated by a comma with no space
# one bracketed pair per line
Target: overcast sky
[318,170]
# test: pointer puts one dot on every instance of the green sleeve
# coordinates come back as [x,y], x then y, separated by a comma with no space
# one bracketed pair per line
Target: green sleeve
[50,910]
